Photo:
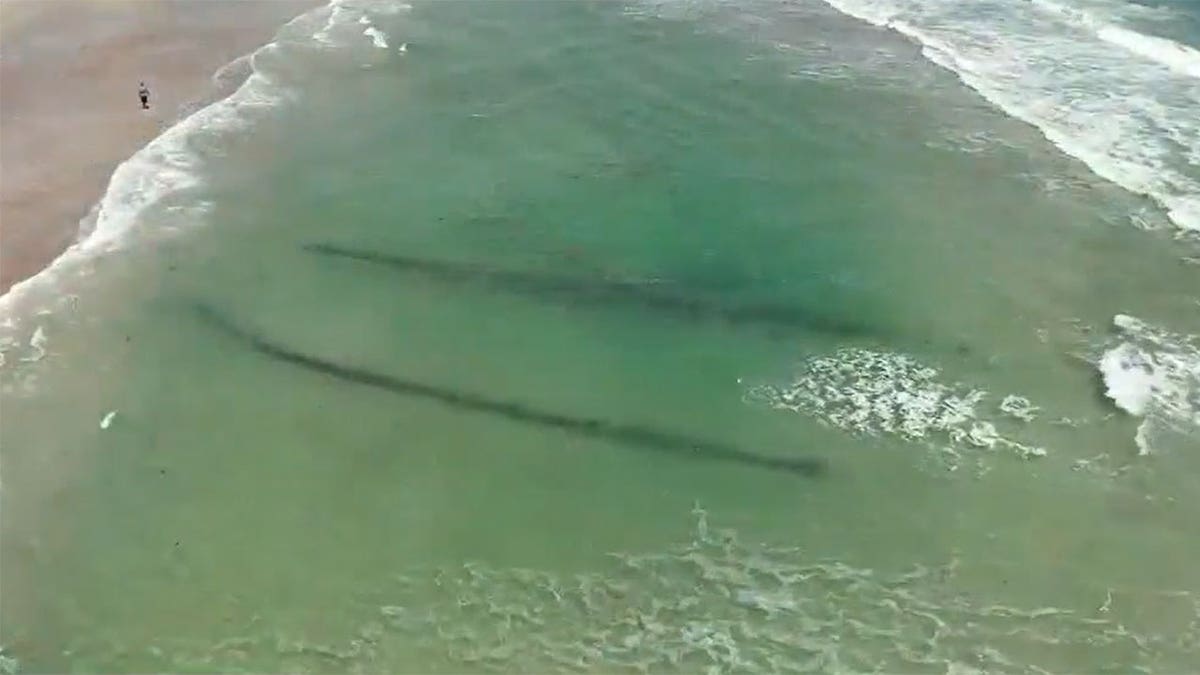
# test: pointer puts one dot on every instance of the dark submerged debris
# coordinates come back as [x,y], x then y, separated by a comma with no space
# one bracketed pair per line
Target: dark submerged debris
[627,434]
[602,292]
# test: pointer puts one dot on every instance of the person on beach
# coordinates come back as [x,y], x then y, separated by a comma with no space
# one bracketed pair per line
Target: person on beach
[144,94]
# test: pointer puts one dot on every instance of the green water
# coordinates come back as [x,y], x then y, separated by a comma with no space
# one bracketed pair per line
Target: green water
[245,513]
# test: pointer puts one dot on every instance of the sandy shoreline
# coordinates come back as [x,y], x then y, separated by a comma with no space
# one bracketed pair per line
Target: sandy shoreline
[69,113]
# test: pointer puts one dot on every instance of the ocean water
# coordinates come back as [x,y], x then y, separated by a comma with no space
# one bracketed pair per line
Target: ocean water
[661,336]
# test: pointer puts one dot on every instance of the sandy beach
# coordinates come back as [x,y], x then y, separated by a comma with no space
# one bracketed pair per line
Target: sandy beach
[69,111]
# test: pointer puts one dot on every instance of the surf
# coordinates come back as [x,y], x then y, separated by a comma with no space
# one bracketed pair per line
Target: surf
[1129,114]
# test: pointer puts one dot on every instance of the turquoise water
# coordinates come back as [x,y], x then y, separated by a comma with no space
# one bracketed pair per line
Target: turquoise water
[690,337]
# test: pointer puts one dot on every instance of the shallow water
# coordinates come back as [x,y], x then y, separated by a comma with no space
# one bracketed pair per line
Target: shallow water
[323,462]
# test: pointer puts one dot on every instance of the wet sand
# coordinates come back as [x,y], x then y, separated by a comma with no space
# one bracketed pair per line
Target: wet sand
[69,112]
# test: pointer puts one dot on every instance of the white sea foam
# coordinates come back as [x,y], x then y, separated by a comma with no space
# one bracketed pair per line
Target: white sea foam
[377,37]
[343,14]
[339,15]
[882,393]
[1179,57]
[37,346]
[1019,407]
[1153,374]
[8,664]
[1131,378]
[1125,103]
[390,7]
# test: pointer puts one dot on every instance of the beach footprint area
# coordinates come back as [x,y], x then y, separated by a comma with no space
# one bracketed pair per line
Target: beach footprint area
[606,337]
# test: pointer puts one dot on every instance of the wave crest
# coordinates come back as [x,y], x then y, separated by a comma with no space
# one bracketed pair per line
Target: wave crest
[1153,374]
[1133,121]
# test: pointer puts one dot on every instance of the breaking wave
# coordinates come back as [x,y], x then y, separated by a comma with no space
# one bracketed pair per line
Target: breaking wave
[1153,374]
